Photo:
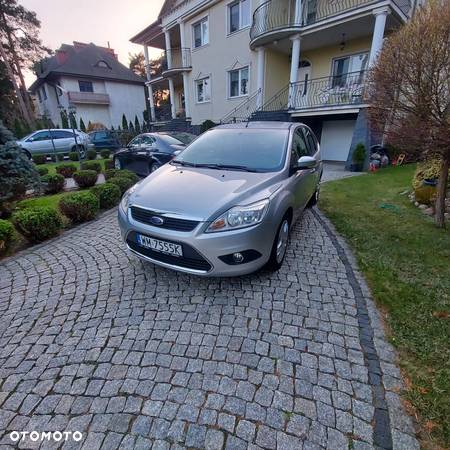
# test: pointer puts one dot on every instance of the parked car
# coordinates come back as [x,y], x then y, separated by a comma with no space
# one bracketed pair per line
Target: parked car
[147,152]
[40,142]
[105,139]
[226,204]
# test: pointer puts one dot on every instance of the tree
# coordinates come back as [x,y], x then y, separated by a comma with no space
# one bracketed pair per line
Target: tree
[82,126]
[72,121]
[137,125]
[64,119]
[131,127]
[410,91]
[124,122]
[9,105]
[20,48]
[16,170]
[137,63]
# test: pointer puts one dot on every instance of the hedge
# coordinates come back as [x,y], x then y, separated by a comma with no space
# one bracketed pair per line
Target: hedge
[7,236]
[105,153]
[74,156]
[108,194]
[123,183]
[91,154]
[38,223]
[54,183]
[66,170]
[91,165]
[42,171]
[79,206]
[39,159]
[85,178]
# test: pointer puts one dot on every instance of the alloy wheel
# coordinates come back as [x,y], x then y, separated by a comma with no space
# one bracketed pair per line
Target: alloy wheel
[283,237]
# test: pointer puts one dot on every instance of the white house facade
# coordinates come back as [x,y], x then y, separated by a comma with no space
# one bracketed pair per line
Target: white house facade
[297,60]
[92,82]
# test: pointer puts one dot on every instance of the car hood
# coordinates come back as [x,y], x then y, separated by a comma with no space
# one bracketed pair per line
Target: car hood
[201,193]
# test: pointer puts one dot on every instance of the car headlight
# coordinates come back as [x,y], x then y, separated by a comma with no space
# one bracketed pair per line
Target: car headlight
[240,217]
[126,197]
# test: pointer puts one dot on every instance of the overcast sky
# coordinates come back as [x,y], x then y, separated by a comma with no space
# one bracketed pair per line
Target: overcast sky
[97,21]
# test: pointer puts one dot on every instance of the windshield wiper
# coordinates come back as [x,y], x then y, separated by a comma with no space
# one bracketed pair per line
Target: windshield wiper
[183,163]
[228,167]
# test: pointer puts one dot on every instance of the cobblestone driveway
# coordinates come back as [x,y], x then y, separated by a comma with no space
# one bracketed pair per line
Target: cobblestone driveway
[135,356]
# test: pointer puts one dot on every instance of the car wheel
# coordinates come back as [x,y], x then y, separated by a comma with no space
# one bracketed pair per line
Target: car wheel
[155,166]
[117,164]
[27,153]
[315,198]
[80,149]
[280,244]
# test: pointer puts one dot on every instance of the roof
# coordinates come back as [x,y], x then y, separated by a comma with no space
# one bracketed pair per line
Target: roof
[82,59]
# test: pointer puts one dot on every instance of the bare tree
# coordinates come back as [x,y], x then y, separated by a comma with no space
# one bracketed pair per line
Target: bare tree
[410,91]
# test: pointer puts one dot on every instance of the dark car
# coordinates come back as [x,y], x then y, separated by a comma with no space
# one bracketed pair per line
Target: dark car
[105,139]
[147,152]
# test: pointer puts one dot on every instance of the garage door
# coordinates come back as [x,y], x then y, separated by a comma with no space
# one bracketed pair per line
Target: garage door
[336,139]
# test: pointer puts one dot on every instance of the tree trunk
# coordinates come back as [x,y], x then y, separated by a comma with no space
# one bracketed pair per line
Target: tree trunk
[10,72]
[441,192]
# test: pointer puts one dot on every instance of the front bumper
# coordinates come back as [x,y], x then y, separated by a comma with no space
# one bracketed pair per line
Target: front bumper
[209,245]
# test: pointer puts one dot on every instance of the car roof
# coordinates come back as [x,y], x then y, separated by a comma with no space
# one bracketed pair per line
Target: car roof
[259,125]
[57,129]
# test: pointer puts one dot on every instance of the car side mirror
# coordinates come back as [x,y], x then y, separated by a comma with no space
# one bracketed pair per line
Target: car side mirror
[176,152]
[306,162]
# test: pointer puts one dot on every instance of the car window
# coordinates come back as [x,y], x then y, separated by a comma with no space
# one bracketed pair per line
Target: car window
[136,141]
[170,140]
[312,143]
[101,135]
[59,134]
[148,140]
[41,136]
[299,147]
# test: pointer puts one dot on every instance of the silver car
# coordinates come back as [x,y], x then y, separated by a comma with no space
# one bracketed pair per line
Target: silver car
[50,141]
[226,204]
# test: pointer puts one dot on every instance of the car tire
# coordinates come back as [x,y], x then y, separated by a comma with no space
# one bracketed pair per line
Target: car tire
[155,166]
[117,164]
[80,149]
[27,153]
[315,198]
[280,244]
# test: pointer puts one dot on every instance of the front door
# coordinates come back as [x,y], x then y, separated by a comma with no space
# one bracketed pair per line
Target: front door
[303,84]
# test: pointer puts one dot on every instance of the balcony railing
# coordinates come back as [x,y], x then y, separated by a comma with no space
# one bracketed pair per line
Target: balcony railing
[276,15]
[92,98]
[180,58]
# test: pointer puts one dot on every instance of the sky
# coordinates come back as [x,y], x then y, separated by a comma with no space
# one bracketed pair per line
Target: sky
[97,21]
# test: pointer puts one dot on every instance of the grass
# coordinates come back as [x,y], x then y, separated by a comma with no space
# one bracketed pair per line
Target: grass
[45,200]
[406,261]
[51,166]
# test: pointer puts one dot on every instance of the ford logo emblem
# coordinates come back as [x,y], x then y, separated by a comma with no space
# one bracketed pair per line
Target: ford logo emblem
[155,220]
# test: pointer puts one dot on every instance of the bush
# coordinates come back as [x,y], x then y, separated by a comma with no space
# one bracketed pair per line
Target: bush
[79,206]
[85,178]
[74,156]
[109,173]
[91,165]
[39,159]
[105,153]
[206,125]
[109,164]
[66,170]
[7,235]
[91,154]
[123,183]
[427,170]
[54,183]
[359,154]
[42,171]
[128,174]
[38,223]
[108,194]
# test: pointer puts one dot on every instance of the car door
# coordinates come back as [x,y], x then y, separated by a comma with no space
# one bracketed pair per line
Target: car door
[130,156]
[313,150]
[143,154]
[300,179]
[63,140]
[40,142]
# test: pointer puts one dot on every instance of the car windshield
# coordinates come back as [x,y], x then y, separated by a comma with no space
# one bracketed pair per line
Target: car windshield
[170,140]
[242,149]
[185,138]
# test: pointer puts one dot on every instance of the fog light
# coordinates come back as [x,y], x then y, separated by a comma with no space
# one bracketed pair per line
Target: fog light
[238,257]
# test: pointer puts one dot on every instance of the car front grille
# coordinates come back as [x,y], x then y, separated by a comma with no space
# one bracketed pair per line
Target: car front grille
[170,223]
[191,259]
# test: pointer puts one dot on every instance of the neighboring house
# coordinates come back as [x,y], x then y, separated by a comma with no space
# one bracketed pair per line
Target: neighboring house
[94,81]
[275,60]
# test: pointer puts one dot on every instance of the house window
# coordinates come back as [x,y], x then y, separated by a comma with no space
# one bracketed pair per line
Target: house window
[238,15]
[203,90]
[238,82]
[85,86]
[349,70]
[201,33]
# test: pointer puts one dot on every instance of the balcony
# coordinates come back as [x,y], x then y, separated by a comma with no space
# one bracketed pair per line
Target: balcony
[180,60]
[89,98]
[277,19]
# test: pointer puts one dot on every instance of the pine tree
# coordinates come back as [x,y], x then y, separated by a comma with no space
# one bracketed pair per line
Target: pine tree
[137,126]
[72,121]
[64,119]
[124,122]
[131,127]
[18,128]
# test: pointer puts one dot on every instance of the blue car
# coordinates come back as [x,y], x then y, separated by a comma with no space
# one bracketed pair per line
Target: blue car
[105,139]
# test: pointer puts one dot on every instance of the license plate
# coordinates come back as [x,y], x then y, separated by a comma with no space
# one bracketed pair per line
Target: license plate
[160,246]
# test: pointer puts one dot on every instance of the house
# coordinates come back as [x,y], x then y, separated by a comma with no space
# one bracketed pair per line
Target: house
[298,60]
[92,81]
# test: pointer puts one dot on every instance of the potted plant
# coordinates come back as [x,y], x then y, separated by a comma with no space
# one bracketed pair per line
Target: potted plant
[358,158]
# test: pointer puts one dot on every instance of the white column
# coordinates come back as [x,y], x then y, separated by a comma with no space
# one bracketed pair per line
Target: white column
[185,61]
[149,86]
[378,33]
[172,98]
[187,97]
[168,49]
[260,76]
[298,11]
[295,60]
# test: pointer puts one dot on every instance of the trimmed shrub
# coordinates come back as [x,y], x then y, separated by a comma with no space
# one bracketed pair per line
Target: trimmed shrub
[60,157]
[109,173]
[7,235]
[91,165]
[42,171]
[66,170]
[79,206]
[128,174]
[85,178]
[108,194]
[91,154]
[123,183]
[54,183]
[39,159]
[105,153]
[39,223]
[74,156]
[109,164]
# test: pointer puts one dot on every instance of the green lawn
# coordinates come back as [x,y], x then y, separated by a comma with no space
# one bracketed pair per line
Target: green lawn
[406,261]
[45,200]
[52,165]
